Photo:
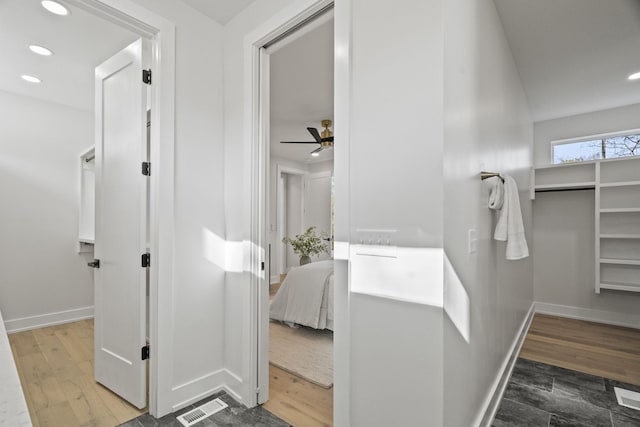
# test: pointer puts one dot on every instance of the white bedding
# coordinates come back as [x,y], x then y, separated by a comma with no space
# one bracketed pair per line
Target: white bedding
[306,296]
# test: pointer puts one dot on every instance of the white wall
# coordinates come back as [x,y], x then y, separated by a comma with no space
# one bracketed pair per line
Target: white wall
[564,239]
[41,271]
[237,203]
[487,127]
[191,338]
[564,254]
[393,172]
[598,122]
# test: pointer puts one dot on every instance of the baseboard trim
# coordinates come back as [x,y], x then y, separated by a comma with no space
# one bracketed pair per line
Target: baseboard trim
[274,279]
[492,401]
[49,319]
[588,314]
[204,386]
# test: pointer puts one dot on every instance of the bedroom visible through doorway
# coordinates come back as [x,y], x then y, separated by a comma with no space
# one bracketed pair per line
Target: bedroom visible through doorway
[300,223]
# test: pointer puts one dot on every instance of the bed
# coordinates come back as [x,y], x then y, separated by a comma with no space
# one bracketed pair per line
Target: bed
[306,297]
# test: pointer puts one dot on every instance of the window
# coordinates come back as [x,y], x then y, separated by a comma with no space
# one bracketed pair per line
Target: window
[610,146]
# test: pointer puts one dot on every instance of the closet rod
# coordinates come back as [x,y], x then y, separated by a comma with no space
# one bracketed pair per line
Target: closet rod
[88,159]
[484,175]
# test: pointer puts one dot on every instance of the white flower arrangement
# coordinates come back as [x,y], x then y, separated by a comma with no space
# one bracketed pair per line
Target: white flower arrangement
[308,243]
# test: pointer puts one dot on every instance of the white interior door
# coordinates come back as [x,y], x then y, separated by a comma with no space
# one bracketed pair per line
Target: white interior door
[120,280]
[318,204]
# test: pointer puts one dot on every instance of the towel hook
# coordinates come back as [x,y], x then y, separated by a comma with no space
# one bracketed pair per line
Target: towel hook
[484,175]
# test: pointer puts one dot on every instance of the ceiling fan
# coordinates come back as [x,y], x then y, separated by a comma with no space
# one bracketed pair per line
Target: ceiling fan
[325,139]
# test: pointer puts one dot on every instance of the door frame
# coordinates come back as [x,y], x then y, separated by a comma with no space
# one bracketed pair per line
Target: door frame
[161,33]
[280,209]
[257,113]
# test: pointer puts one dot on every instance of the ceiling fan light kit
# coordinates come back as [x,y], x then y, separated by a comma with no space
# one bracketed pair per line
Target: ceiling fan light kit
[325,139]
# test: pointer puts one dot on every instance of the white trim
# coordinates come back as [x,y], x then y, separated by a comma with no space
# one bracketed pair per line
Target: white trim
[213,382]
[492,400]
[254,55]
[590,314]
[300,32]
[597,136]
[48,319]
[129,14]
[342,94]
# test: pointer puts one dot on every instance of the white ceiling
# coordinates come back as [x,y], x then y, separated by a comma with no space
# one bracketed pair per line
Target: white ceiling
[574,56]
[302,92]
[80,41]
[221,11]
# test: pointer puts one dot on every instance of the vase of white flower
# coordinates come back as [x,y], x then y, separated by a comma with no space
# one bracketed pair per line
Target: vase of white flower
[307,244]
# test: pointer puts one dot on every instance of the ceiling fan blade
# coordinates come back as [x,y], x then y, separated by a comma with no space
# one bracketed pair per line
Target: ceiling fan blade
[298,142]
[315,134]
[317,150]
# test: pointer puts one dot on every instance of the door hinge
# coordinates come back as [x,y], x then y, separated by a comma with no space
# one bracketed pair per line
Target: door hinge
[146,76]
[145,352]
[262,265]
[146,260]
[146,168]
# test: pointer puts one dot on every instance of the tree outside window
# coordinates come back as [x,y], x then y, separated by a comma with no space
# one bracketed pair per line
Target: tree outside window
[606,147]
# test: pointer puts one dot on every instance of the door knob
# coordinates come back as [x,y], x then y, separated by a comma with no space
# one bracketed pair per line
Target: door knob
[94,264]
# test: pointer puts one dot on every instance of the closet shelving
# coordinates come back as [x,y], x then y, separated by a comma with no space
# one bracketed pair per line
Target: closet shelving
[618,225]
[617,214]
[568,176]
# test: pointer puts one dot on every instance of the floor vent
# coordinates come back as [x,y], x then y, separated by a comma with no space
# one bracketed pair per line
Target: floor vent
[628,398]
[202,412]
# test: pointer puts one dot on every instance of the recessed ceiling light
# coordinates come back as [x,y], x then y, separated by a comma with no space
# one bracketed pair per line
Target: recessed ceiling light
[315,154]
[634,76]
[55,7]
[40,50]
[30,79]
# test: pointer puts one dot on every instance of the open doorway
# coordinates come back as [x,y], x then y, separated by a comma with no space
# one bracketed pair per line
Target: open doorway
[299,206]
[51,134]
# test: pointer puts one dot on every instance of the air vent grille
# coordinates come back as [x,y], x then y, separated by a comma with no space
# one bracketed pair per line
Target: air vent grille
[201,412]
[628,398]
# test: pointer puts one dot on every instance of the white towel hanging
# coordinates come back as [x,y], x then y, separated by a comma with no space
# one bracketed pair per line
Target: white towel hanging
[496,193]
[510,227]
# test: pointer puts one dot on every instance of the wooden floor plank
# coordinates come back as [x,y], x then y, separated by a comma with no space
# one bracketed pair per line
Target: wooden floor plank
[593,348]
[294,399]
[55,366]
[297,401]
[57,415]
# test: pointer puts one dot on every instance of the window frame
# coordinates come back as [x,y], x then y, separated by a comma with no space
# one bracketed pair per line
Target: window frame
[587,138]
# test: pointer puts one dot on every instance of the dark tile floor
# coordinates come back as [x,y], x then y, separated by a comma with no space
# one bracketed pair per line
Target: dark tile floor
[234,415]
[544,395]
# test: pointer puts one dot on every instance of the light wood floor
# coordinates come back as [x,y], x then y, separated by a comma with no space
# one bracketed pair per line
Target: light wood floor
[593,348]
[55,365]
[296,400]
